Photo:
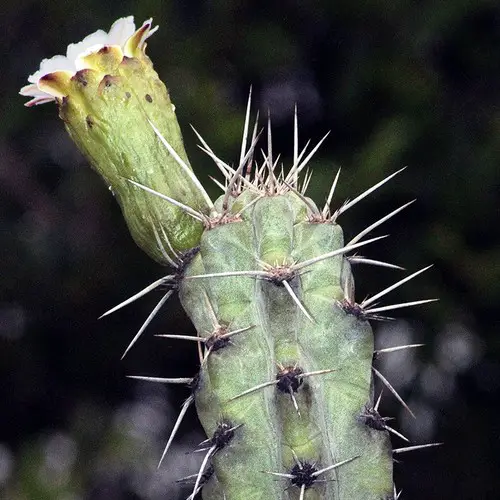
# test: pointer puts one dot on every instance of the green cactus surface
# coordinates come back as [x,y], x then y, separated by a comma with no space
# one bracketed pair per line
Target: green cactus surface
[296,379]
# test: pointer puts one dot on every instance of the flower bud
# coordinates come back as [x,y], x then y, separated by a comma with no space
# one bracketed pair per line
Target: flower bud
[119,114]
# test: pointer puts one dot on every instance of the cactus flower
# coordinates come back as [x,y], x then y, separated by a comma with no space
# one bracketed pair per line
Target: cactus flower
[119,114]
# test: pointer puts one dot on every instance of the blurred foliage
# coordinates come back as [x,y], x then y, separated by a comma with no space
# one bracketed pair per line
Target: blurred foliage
[396,83]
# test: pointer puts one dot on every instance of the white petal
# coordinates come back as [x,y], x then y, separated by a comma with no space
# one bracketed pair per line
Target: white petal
[56,63]
[30,90]
[121,31]
[47,66]
[39,97]
[99,37]
[39,100]
[145,35]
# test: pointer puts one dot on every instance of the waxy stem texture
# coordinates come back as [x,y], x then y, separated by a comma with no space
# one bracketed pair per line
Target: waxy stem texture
[309,420]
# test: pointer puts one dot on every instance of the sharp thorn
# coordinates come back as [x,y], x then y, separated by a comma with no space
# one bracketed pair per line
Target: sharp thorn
[389,386]
[188,210]
[279,474]
[205,356]
[210,309]
[317,372]
[334,466]
[181,337]
[326,208]
[177,424]
[297,301]
[161,247]
[307,180]
[248,205]
[294,401]
[302,492]
[355,259]
[187,170]
[229,274]
[311,154]
[209,454]
[349,204]
[138,295]
[200,353]
[306,200]
[296,458]
[349,289]
[246,127]
[295,180]
[148,320]
[224,168]
[162,380]
[293,174]
[235,332]
[399,306]
[253,389]
[218,184]
[379,222]
[186,478]
[302,153]
[272,179]
[397,348]
[237,175]
[339,251]
[414,448]
[396,433]
[170,247]
[369,301]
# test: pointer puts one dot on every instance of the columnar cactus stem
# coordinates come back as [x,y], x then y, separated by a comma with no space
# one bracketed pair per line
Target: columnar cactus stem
[258,380]
[285,385]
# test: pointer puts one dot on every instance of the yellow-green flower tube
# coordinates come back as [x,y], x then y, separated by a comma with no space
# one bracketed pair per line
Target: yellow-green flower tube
[119,114]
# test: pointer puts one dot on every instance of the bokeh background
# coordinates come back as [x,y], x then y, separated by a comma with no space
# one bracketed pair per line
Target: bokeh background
[396,83]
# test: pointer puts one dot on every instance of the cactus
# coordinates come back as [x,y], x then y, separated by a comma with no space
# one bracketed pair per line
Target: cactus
[285,388]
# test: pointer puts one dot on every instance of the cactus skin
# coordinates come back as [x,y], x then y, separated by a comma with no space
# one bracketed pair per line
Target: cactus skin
[329,430]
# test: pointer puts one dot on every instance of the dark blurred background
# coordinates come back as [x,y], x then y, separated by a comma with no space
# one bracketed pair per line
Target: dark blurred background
[396,83]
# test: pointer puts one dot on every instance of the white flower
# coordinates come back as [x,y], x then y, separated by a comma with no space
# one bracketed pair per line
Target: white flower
[122,35]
